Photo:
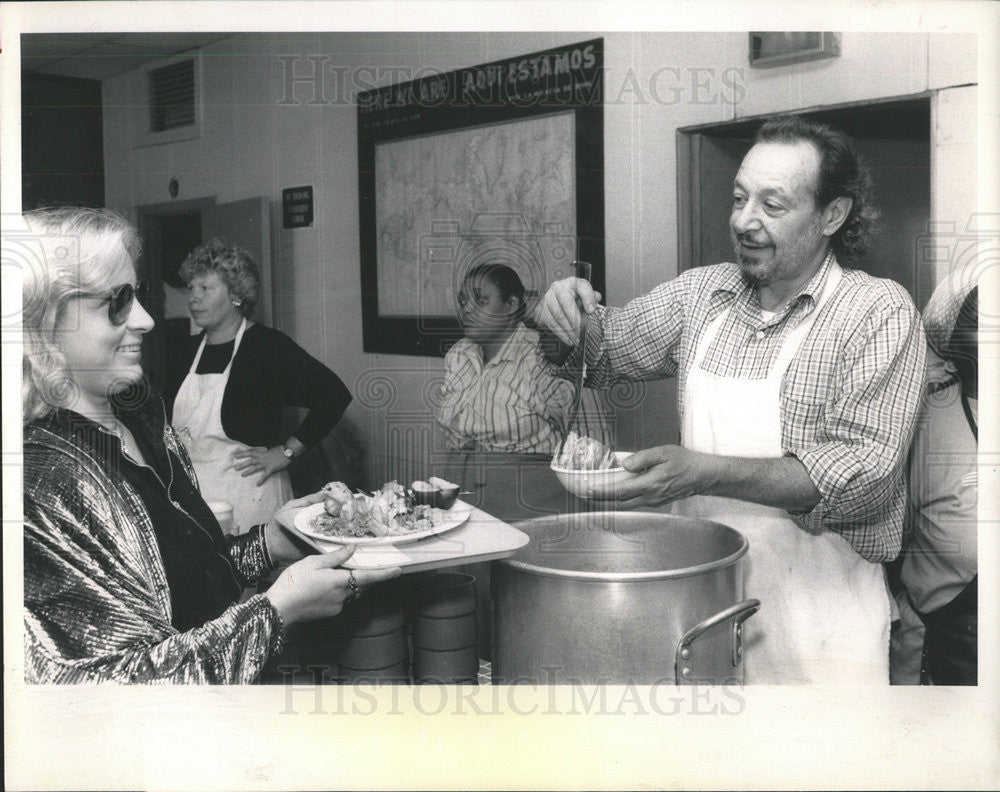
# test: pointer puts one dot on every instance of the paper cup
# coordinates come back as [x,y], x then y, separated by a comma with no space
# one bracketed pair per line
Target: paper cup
[444,629]
[451,667]
[372,652]
[223,511]
[398,673]
[447,634]
[444,595]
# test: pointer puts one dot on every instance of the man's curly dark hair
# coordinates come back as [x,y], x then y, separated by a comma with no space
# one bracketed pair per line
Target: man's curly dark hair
[841,174]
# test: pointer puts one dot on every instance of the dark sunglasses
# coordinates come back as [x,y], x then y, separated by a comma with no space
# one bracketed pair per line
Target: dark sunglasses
[120,300]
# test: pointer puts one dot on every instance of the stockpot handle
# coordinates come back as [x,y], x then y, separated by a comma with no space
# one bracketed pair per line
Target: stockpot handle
[739,612]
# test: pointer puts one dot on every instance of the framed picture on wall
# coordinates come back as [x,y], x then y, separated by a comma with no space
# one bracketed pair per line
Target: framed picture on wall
[500,163]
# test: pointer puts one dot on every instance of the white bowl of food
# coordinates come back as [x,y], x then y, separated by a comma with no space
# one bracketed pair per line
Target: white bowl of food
[435,492]
[584,464]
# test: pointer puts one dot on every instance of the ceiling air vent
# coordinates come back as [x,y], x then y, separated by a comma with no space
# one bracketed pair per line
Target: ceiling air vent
[171,96]
[168,103]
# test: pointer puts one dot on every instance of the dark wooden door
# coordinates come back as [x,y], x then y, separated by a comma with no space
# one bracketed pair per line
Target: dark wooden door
[170,232]
[62,141]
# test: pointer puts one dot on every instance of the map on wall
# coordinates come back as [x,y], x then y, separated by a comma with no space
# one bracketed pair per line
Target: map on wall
[497,162]
[500,193]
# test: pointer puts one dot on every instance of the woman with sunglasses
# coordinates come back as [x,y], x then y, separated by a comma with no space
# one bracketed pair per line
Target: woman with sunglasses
[127,575]
[239,377]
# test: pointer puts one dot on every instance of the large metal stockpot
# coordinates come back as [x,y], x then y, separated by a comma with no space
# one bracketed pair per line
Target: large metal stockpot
[621,598]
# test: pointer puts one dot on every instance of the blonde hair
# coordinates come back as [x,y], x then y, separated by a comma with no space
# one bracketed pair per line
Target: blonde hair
[69,250]
[234,265]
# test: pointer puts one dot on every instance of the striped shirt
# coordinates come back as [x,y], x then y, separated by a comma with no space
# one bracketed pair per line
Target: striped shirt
[512,403]
[848,399]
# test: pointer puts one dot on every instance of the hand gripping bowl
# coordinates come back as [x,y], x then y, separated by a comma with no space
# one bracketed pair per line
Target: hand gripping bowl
[581,482]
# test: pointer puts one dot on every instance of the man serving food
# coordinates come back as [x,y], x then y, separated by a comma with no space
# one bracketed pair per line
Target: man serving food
[799,384]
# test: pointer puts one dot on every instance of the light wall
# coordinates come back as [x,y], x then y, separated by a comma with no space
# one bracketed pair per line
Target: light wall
[261,136]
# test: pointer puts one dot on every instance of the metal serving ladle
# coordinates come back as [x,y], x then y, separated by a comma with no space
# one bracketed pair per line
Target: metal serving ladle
[583,270]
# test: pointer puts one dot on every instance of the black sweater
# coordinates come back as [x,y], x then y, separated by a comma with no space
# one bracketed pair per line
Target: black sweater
[200,574]
[270,372]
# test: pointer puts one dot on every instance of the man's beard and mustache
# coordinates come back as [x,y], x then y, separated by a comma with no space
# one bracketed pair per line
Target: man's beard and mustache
[750,276]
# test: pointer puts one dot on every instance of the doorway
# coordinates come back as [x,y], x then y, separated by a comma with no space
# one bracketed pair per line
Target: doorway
[892,137]
[170,232]
[62,141]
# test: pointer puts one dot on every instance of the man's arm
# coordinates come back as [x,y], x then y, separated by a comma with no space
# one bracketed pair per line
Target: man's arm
[640,341]
[668,473]
[858,457]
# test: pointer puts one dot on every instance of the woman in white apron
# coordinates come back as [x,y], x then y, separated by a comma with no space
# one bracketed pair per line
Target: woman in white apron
[198,417]
[274,372]
[824,613]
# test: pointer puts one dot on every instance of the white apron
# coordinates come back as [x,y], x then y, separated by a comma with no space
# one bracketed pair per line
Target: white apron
[198,419]
[824,613]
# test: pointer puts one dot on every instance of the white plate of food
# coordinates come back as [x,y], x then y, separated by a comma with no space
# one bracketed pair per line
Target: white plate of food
[386,517]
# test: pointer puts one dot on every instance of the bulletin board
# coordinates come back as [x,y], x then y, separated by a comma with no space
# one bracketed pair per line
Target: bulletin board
[502,162]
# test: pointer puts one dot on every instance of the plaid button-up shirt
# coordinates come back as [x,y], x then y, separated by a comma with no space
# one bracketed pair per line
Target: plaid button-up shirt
[848,399]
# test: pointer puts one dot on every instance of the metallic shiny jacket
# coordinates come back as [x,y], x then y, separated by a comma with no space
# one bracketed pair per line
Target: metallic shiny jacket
[96,602]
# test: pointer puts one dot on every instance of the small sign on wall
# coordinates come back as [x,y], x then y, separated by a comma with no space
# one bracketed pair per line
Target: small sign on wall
[297,207]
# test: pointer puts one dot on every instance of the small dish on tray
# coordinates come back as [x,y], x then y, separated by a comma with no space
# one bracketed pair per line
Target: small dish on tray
[450,518]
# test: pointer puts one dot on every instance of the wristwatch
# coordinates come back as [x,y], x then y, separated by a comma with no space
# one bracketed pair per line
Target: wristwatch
[289,454]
